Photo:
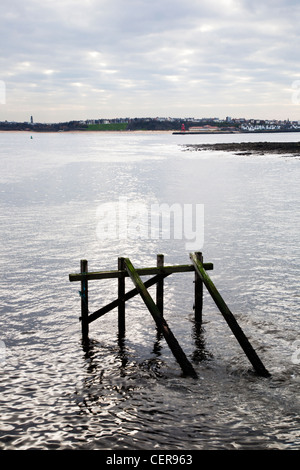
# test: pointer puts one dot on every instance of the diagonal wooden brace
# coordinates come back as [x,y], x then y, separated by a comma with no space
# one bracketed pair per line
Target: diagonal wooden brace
[161,323]
[230,319]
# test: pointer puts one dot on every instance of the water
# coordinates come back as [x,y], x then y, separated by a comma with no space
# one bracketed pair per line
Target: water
[131,395]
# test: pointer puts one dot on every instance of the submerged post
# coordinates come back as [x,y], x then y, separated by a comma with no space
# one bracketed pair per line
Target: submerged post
[84,301]
[121,298]
[161,324]
[198,293]
[230,319]
[160,286]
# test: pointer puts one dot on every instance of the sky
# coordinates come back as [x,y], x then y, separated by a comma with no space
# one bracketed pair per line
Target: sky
[65,60]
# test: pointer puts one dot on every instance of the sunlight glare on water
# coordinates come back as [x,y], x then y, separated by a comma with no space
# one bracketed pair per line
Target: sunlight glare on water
[131,394]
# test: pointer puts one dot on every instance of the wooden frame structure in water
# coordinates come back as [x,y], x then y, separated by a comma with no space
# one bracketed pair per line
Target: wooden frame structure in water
[160,272]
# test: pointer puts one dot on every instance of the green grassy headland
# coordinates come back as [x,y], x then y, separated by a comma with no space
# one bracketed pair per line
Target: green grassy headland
[122,126]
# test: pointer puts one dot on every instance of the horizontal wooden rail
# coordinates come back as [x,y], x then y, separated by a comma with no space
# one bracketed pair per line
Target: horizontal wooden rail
[89,276]
[158,273]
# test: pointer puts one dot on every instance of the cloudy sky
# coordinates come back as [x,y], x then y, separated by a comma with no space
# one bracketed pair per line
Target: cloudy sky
[87,59]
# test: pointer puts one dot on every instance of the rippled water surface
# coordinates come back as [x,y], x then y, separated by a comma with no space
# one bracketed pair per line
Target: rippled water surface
[130,393]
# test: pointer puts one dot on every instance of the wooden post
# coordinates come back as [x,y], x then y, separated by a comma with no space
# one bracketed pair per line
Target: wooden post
[128,295]
[161,324]
[121,298]
[228,316]
[84,301]
[198,293]
[160,286]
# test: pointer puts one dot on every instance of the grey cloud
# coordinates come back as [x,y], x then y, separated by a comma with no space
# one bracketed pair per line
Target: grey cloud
[128,50]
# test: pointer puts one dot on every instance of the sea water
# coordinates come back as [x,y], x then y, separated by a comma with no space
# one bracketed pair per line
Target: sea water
[131,394]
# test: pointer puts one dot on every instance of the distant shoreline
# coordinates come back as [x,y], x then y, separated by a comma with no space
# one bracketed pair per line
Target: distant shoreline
[249,148]
[31,131]
[270,131]
[147,131]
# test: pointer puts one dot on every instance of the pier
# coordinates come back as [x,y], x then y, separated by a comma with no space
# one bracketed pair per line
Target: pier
[156,307]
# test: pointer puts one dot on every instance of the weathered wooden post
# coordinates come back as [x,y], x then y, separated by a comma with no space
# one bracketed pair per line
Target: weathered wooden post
[84,301]
[160,285]
[121,297]
[230,319]
[198,293]
[161,324]
[125,268]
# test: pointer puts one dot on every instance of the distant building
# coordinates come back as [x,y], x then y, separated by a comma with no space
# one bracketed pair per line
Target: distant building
[31,120]
[203,129]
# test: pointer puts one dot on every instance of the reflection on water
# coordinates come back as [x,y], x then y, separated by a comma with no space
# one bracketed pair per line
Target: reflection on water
[129,393]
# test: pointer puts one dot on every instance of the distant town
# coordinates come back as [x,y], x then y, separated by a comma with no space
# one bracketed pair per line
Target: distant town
[177,125]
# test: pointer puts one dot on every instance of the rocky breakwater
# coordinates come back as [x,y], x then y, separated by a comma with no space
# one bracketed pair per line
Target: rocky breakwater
[249,148]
